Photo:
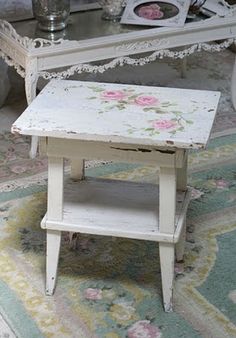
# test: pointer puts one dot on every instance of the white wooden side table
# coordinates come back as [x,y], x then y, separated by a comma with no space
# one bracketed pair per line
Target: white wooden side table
[150,125]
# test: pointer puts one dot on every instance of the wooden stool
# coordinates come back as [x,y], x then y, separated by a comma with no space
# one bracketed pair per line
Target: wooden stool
[86,120]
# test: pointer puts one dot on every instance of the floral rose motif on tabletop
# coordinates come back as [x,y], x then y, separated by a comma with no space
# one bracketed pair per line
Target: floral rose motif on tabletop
[113,95]
[150,12]
[93,294]
[164,124]
[112,99]
[143,329]
[146,100]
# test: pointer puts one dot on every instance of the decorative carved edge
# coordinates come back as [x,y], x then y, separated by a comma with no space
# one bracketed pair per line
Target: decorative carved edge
[142,45]
[40,43]
[12,63]
[7,28]
[125,60]
[26,42]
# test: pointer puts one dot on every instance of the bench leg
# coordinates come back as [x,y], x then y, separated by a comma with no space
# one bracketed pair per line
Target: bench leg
[34,146]
[182,185]
[53,250]
[184,67]
[167,257]
[167,186]
[77,169]
[233,85]
[180,246]
[76,174]
[55,213]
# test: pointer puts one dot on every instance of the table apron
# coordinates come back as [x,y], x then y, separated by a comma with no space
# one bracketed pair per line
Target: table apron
[67,148]
[64,56]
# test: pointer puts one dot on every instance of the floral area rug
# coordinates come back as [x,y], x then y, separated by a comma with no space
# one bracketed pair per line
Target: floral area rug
[111,287]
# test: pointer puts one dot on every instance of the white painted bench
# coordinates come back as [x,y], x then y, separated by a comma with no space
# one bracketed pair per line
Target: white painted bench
[157,126]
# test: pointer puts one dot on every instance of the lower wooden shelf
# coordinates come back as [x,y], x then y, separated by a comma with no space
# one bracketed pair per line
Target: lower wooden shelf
[116,208]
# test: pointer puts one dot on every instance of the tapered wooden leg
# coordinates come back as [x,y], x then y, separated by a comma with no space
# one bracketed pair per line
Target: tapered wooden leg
[167,257]
[167,184]
[53,250]
[180,246]
[182,186]
[34,146]
[54,212]
[31,79]
[184,67]
[233,85]
[77,169]
[76,174]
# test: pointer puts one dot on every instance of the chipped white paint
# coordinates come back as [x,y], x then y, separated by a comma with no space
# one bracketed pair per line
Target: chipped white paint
[83,120]
[121,113]
[135,205]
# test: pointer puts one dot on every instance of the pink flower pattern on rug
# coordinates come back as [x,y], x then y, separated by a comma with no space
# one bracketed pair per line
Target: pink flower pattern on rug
[93,294]
[143,329]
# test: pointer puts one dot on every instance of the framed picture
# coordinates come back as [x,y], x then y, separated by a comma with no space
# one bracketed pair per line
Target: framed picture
[12,10]
[171,13]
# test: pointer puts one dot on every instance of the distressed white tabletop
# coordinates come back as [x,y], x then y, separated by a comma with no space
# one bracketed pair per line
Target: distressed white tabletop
[121,113]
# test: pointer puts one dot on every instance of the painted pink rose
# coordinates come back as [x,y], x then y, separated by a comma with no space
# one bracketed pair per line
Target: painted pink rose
[143,329]
[195,193]
[146,100]
[164,124]
[113,95]
[18,169]
[93,294]
[151,12]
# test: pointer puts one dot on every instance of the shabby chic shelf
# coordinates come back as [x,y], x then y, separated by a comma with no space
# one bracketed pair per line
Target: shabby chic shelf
[116,208]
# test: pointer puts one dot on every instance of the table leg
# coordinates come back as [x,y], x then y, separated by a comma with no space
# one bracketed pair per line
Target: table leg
[76,174]
[34,146]
[31,79]
[54,212]
[184,67]
[77,169]
[182,186]
[233,85]
[167,208]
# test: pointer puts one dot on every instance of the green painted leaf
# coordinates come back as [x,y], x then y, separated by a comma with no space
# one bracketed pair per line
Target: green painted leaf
[177,112]
[96,89]
[148,109]
[159,111]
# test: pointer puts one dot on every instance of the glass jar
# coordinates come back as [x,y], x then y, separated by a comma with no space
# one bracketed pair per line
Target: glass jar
[52,15]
